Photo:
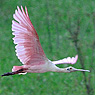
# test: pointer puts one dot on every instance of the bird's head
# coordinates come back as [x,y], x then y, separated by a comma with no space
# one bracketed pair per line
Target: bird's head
[72,69]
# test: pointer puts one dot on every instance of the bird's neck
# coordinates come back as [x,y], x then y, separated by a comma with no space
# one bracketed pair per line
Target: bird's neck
[54,68]
[61,70]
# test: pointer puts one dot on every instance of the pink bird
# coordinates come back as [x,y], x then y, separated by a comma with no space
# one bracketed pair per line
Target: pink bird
[29,50]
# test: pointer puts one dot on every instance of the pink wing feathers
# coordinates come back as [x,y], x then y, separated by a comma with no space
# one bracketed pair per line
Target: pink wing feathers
[28,48]
[68,60]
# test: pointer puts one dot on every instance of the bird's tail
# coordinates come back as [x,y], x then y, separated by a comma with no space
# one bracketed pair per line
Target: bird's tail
[15,70]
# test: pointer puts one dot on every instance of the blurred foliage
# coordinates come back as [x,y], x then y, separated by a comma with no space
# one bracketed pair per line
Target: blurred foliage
[62,15]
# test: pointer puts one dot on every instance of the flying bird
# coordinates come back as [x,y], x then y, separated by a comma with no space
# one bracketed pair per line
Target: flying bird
[29,50]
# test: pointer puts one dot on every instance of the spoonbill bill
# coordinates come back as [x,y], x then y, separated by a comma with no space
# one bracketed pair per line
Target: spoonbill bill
[29,50]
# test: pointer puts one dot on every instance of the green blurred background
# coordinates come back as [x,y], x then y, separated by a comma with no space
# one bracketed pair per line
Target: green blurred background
[59,23]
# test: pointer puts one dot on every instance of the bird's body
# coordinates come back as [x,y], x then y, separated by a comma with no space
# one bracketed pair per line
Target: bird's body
[47,66]
[39,68]
[29,50]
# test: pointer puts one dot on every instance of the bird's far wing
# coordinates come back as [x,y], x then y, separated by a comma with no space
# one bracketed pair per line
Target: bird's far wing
[67,60]
[28,48]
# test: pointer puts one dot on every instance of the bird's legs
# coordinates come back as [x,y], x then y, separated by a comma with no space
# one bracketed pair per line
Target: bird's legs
[13,73]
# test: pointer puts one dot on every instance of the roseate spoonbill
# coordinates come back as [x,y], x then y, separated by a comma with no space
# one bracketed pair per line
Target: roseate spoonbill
[29,50]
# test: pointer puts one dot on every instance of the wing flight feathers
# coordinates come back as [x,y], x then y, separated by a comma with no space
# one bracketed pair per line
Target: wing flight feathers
[67,60]
[28,48]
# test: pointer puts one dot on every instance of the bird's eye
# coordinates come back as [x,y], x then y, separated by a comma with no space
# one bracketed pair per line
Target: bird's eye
[70,68]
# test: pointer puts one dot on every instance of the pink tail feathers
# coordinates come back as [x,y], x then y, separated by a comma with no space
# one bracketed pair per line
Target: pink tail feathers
[16,68]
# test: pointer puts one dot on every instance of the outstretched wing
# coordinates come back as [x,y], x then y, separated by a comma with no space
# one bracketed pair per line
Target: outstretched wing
[67,60]
[28,48]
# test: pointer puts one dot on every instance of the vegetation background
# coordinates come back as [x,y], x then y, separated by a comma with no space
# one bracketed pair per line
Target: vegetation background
[65,28]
